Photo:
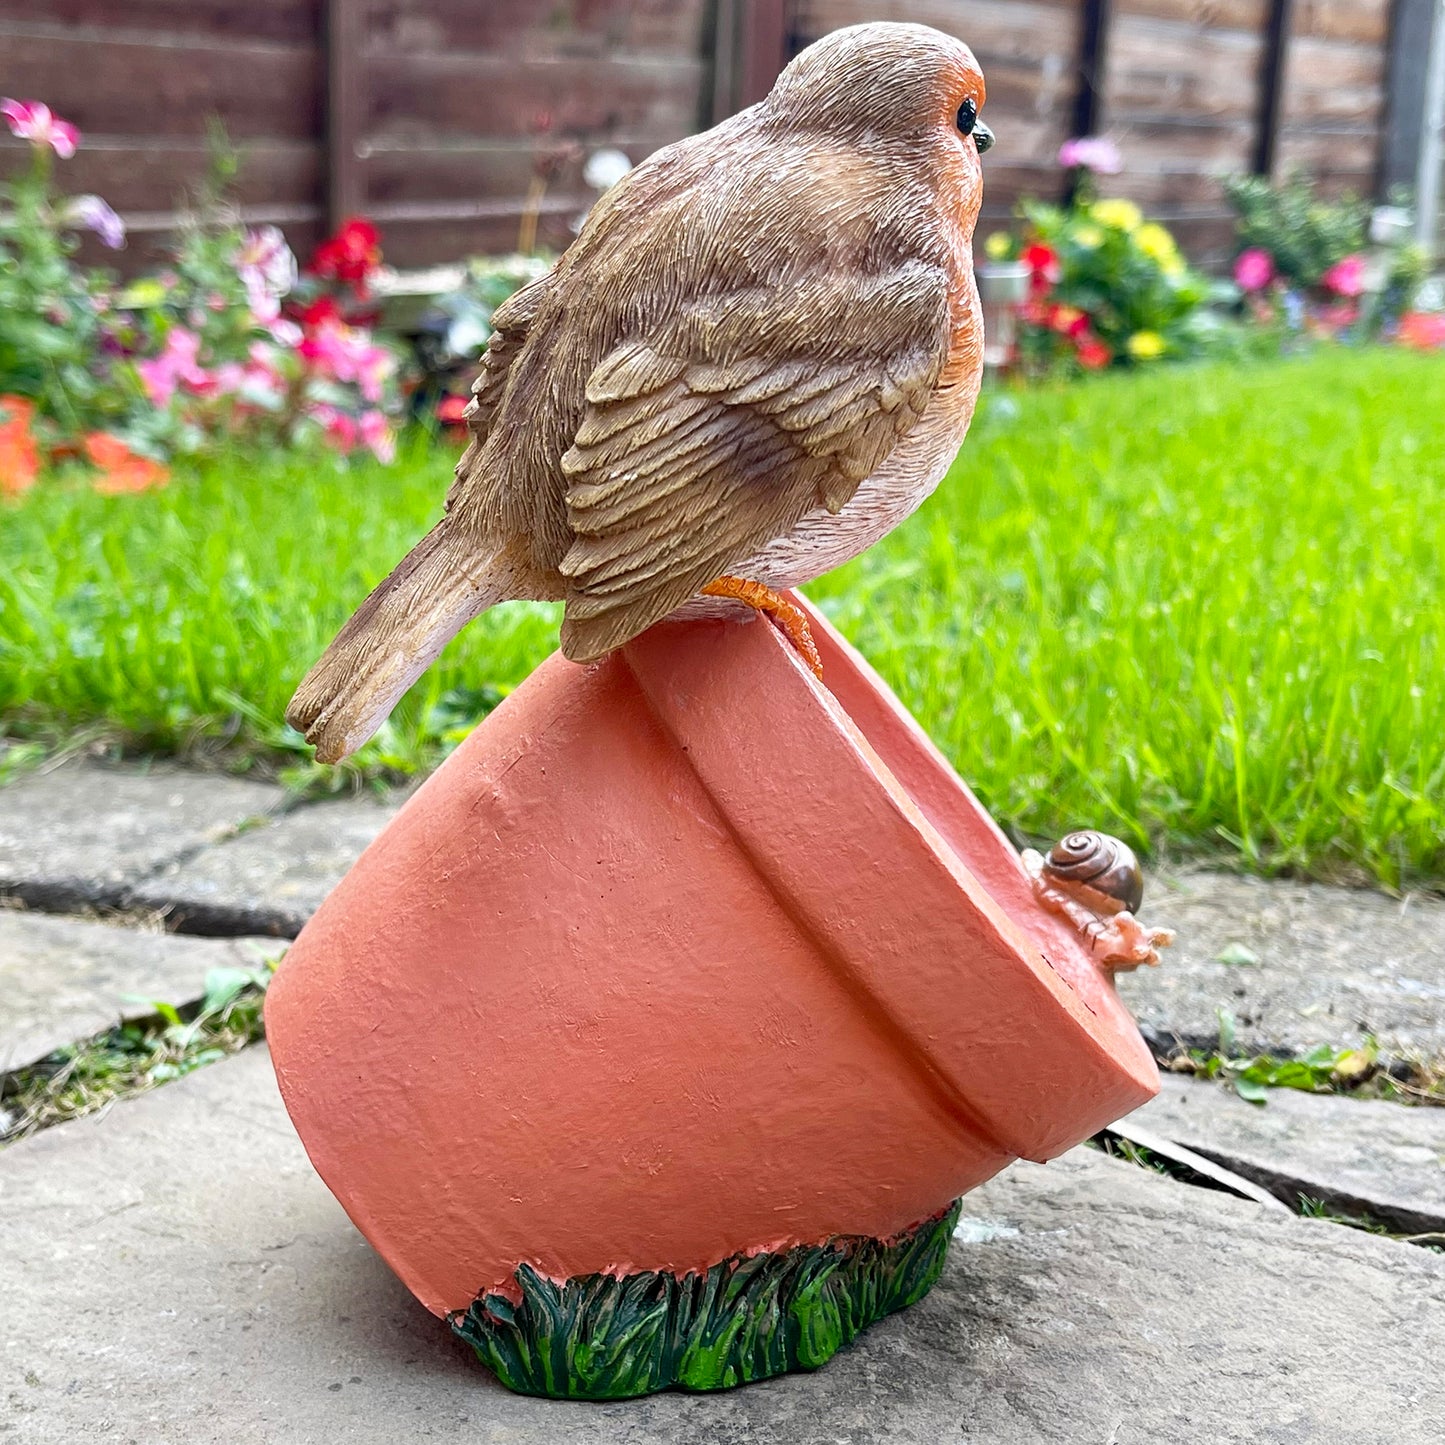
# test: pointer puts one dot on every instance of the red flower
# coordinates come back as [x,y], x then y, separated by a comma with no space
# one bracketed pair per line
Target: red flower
[1068,321]
[351,255]
[1093,354]
[323,309]
[452,410]
[1044,268]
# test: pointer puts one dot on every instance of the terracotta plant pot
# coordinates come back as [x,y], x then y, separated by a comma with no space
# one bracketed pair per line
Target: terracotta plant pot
[653,1040]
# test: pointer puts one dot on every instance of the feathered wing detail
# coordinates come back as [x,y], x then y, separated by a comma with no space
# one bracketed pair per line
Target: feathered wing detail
[511,324]
[704,442]
[448,578]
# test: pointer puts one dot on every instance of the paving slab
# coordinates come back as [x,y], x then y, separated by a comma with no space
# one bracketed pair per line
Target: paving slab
[1333,966]
[84,834]
[272,878]
[174,1274]
[64,979]
[1357,1155]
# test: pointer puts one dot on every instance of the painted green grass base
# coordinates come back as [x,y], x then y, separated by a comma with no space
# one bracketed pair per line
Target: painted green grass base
[600,1337]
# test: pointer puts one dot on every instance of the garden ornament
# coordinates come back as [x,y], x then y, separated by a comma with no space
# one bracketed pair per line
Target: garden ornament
[759,356]
[656,1038]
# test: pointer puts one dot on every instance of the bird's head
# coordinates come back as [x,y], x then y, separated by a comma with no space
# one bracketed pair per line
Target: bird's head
[886,83]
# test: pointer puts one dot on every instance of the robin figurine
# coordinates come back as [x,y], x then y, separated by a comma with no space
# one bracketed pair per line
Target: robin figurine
[758,357]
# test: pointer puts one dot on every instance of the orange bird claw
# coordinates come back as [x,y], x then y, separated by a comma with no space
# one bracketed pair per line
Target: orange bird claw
[788,615]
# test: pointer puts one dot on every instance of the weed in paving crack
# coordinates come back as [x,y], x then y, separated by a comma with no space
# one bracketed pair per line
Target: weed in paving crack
[133,1057]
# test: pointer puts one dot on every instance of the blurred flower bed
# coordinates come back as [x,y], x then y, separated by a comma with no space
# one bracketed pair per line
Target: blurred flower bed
[230,341]
[1101,285]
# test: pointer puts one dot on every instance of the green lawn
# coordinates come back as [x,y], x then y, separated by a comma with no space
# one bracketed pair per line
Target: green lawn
[1200,608]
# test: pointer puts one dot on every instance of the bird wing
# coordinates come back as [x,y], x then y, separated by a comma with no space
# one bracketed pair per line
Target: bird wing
[702,443]
[511,324]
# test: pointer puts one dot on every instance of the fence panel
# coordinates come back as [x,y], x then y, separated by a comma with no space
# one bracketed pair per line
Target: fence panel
[439,116]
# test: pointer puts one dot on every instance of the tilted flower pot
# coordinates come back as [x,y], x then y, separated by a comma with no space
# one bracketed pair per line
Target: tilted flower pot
[655,1038]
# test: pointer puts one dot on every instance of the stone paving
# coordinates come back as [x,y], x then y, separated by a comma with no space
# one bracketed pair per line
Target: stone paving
[64,979]
[1330,966]
[174,1271]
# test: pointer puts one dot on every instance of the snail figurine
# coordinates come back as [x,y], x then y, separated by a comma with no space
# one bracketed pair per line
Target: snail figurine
[1094,880]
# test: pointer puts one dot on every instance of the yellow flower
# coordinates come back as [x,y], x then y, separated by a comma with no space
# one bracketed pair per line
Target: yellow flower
[998,245]
[1088,236]
[1120,215]
[1146,345]
[1155,242]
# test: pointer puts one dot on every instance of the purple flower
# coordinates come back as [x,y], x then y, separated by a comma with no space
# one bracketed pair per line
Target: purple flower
[93,213]
[1091,153]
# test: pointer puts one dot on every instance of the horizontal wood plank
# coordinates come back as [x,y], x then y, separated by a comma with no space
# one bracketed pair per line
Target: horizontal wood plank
[1212,15]
[419,96]
[297,21]
[135,173]
[525,27]
[1366,22]
[167,90]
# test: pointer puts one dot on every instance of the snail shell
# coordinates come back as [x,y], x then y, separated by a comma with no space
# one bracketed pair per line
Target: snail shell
[1087,861]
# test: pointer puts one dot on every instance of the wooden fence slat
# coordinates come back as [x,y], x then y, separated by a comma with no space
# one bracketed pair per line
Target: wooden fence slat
[1271,86]
[345,109]
[1088,109]
[114,87]
[212,20]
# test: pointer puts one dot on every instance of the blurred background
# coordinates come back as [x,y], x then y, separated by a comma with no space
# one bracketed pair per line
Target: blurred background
[437,118]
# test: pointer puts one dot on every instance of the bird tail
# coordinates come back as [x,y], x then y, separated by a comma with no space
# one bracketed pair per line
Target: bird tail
[392,638]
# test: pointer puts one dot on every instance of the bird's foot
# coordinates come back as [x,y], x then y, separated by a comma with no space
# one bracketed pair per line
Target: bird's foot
[788,615]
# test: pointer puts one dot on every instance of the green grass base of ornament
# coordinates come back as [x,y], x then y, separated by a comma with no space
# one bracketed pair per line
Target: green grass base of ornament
[609,1337]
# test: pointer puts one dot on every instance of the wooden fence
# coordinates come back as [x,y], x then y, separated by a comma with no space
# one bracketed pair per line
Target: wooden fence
[435,116]
[1192,90]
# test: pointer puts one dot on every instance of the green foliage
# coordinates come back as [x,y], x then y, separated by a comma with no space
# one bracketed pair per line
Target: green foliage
[604,1337]
[1303,232]
[50,330]
[167,1044]
[1126,275]
[1197,605]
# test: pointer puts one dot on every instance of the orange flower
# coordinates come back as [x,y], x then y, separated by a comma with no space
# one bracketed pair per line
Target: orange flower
[121,470]
[19,455]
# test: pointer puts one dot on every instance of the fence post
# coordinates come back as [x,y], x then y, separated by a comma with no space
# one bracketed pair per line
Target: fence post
[1271,87]
[1088,108]
[1087,113]
[344,33]
[749,49]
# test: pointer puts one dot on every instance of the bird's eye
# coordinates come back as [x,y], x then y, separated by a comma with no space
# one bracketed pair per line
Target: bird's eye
[967,116]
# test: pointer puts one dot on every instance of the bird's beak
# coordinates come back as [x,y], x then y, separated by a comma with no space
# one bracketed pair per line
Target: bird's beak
[983,136]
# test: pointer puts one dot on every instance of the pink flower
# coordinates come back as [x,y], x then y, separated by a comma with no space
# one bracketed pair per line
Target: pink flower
[339,426]
[1345,278]
[176,365]
[378,436]
[33,120]
[268,270]
[1253,269]
[1091,153]
[93,213]
[348,354]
